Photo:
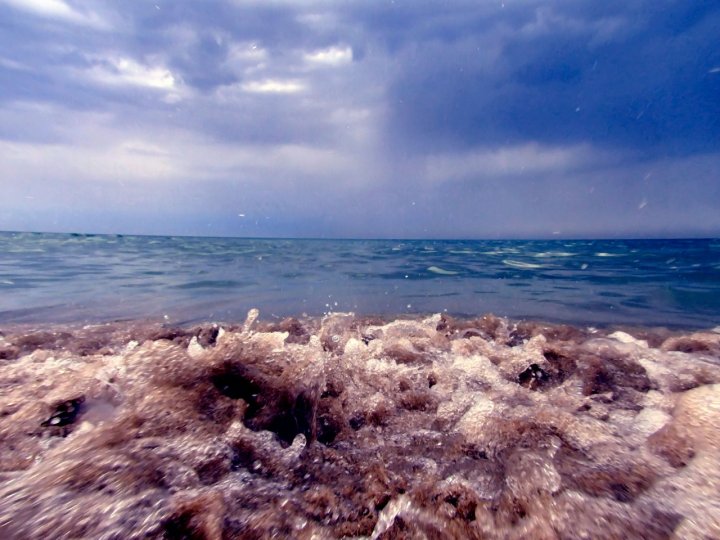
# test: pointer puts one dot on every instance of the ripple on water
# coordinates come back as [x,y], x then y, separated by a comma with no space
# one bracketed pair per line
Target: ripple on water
[522,265]
[551,254]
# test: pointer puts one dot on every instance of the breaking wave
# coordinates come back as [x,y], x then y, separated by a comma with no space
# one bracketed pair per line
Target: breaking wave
[347,426]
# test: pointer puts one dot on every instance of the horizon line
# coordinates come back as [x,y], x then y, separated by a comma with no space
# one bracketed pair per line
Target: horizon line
[370,239]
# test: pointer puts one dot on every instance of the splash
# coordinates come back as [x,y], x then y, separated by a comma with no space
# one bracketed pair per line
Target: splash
[347,426]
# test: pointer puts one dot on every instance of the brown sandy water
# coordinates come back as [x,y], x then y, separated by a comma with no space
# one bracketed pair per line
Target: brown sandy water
[354,427]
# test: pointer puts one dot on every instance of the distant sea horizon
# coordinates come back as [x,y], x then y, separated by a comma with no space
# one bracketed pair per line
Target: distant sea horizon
[525,238]
[98,277]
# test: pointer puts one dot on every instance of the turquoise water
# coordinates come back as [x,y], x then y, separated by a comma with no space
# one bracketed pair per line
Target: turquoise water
[96,278]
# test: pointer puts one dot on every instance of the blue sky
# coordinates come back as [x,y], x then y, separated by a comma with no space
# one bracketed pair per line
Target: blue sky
[396,118]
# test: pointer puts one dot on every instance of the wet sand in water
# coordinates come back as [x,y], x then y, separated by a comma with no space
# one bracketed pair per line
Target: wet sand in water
[355,427]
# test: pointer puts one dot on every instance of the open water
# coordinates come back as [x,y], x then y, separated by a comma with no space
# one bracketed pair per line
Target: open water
[97,278]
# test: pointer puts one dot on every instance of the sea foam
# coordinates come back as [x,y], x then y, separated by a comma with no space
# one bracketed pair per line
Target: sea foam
[347,426]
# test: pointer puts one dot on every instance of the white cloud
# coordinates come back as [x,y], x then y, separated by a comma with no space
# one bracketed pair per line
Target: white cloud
[320,21]
[273,86]
[125,71]
[181,162]
[247,52]
[331,56]
[87,146]
[122,71]
[12,64]
[246,59]
[52,162]
[56,9]
[510,160]
[548,21]
[95,149]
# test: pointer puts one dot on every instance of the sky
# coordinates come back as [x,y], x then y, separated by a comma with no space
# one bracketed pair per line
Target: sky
[361,119]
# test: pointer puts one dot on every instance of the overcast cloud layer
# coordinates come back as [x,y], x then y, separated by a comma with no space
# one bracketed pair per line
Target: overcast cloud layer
[361,119]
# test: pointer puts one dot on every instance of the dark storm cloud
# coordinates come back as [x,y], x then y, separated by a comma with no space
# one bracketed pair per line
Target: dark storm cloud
[637,74]
[631,74]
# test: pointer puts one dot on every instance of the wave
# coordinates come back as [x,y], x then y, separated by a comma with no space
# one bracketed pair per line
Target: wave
[346,426]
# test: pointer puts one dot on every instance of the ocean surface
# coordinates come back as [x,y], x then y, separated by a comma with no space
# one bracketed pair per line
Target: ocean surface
[48,278]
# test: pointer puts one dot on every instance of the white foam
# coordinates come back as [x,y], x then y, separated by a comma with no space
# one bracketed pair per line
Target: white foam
[624,337]
[441,271]
[522,265]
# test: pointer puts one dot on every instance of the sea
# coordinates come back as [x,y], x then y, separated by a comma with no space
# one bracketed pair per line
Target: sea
[74,278]
[239,388]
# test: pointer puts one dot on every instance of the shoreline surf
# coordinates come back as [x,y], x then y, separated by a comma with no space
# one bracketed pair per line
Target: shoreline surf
[359,427]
